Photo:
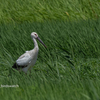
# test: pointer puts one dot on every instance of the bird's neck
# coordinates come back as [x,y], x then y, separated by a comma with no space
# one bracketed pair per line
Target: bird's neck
[35,44]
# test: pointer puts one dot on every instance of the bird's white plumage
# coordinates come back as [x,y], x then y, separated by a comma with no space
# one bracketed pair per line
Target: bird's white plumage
[26,51]
[28,59]
[24,59]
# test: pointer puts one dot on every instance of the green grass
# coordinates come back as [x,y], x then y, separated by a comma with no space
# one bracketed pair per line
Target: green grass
[68,69]
[40,10]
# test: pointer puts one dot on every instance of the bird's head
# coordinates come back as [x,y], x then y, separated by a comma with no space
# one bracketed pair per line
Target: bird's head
[34,35]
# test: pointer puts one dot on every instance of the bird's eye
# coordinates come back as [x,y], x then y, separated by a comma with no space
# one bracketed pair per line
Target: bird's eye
[35,35]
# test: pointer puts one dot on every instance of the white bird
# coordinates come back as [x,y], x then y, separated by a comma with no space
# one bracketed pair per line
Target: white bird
[28,59]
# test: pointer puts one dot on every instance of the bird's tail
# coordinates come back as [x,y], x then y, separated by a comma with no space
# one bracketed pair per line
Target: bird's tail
[15,66]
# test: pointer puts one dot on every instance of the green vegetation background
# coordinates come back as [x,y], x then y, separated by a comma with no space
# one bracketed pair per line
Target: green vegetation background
[40,10]
[69,69]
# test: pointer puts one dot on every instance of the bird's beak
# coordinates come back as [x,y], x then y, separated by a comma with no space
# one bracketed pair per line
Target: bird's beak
[41,41]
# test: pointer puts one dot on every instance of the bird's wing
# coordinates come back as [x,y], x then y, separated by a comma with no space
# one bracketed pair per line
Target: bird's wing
[24,59]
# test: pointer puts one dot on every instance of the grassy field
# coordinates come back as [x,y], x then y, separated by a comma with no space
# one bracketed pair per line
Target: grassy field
[40,10]
[69,69]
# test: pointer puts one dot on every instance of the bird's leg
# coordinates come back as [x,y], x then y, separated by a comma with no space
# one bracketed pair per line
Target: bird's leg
[30,70]
[26,73]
